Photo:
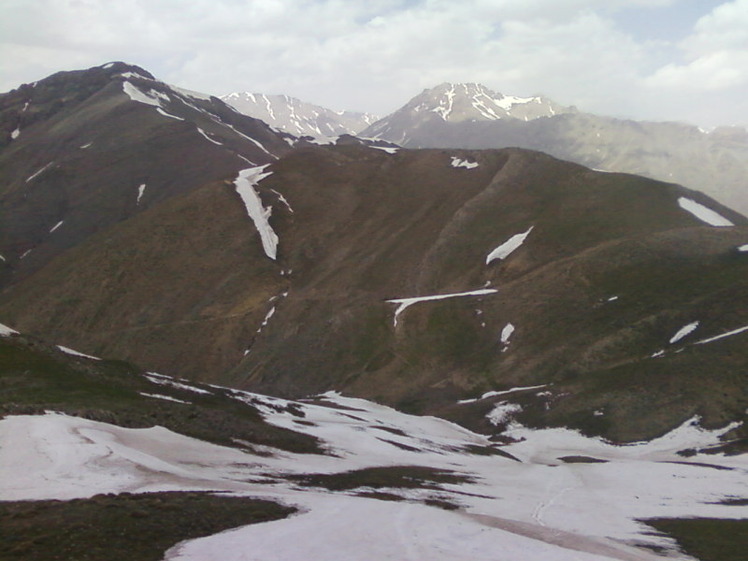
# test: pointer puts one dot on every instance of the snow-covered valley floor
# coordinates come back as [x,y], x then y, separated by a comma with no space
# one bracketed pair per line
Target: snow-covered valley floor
[534,506]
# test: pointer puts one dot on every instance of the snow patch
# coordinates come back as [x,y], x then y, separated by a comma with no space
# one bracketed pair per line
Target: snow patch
[509,101]
[252,140]
[168,381]
[129,74]
[165,114]
[72,352]
[202,132]
[164,397]
[703,213]
[38,172]
[245,185]
[537,508]
[743,248]
[506,333]
[683,331]
[724,335]
[388,149]
[282,199]
[405,303]
[458,163]
[56,226]
[151,97]
[191,93]
[141,190]
[266,320]
[445,104]
[6,331]
[506,249]
[503,412]
[15,133]
[86,145]
[502,392]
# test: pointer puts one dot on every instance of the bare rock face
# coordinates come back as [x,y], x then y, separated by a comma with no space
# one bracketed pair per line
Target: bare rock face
[470,116]
[136,222]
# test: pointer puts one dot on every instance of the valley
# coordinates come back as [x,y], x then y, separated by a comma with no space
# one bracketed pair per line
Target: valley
[416,343]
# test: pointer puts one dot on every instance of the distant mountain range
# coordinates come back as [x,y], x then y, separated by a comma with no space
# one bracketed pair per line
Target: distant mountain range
[459,103]
[297,117]
[470,116]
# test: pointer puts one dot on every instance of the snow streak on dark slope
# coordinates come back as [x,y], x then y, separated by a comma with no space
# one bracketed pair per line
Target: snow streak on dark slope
[82,151]
[298,117]
[462,116]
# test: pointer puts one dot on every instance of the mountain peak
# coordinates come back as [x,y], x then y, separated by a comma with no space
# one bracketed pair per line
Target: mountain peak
[456,102]
[298,117]
[461,102]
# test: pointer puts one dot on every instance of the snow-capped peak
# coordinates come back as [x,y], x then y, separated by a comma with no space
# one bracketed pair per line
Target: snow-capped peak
[298,117]
[475,102]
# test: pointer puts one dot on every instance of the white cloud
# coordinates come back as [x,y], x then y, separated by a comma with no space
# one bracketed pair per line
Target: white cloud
[714,69]
[375,55]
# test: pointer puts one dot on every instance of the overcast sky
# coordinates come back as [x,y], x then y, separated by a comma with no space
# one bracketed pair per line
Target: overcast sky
[681,60]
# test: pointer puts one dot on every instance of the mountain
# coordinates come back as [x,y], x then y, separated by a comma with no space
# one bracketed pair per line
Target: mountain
[104,461]
[458,116]
[83,151]
[310,292]
[457,103]
[298,117]
[468,351]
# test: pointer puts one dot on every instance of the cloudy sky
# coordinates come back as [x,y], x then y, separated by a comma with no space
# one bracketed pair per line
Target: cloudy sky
[681,60]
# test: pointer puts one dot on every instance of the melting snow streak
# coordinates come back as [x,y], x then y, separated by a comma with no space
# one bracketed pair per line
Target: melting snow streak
[506,333]
[458,163]
[718,337]
[703,213]
[245,186]
[407,302]
[150,98]
[209,139]
[503,412]
[388,149]
[76,353]
[683,331]
[38,172]
[6,331]
[141,190]
[505,249]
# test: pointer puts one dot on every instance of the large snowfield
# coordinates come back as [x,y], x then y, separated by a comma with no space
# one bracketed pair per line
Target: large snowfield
[533,507]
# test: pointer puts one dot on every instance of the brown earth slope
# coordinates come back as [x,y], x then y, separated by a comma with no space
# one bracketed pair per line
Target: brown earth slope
[611,270]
